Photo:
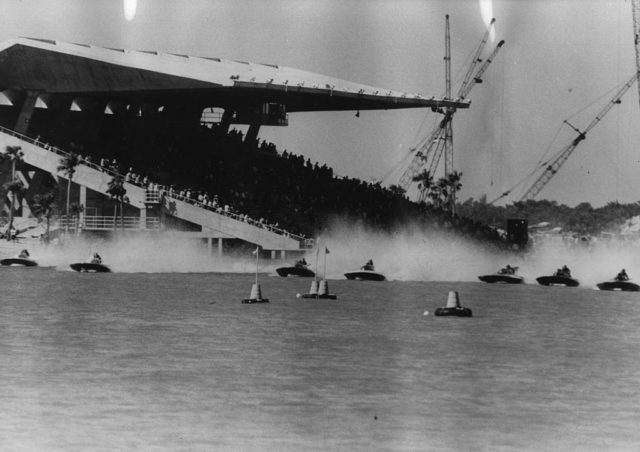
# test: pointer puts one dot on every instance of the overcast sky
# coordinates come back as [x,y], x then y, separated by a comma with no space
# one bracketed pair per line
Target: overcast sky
[561,57]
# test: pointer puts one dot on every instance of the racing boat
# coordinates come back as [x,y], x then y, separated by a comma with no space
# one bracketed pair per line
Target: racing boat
[300,268]
[625,286]
[620,282]
[561,277]
[366,273]
[93,265]
[90,267]
[506,275]
[23,259]
[555,280]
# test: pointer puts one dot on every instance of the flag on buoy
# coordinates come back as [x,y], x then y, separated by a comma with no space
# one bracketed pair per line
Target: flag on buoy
[256,293]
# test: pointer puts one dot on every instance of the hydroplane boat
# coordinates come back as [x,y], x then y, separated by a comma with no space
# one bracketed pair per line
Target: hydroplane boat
[620,282]
[23,259]
[93,265]
[366,273]
[506,275]
[561,277]
[300,268]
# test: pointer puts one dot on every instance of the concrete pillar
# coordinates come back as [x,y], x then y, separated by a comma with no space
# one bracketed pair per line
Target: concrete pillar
[26,111]
[143,218]
[252,134]
[273,254]
[210,245]
[225,121]
[83,203]
[283,254]
[220,247]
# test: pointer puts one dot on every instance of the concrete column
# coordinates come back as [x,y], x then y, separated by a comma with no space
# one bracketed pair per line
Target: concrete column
[22,124]
[143,218]
[273,254]
[225,121]
[220,247]
[252,134]
[210,245]
[283,255]
[83,203]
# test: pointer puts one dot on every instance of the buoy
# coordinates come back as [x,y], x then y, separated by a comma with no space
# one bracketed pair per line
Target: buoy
[314,287]
[425,313]
[256,295]
[320,291]
[453,307]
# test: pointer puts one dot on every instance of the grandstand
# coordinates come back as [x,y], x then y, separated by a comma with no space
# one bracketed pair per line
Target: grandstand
[139,115]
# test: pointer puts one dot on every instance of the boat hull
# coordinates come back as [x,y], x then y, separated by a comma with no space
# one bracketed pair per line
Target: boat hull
[625,286]
[295,271]
[87,267]
[18,261]
[557,281]
[364,275]
[500,278]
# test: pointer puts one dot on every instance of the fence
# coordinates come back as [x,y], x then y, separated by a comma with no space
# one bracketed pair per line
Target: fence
[110,223]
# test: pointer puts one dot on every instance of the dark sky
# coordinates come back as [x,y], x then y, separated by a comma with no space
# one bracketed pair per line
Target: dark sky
[562,60]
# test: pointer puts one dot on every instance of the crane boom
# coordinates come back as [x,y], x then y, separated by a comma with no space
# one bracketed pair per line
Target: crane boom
[635,10]
[432,146]
[445,124]
[476,57]
[554,165]
[478,77]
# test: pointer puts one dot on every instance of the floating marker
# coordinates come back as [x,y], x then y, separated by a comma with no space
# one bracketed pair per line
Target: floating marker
[320,290]
[256,295]
[453,307]
[453,300]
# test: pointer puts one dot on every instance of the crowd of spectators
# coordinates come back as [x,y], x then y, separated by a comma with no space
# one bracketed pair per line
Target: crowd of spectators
[206,164]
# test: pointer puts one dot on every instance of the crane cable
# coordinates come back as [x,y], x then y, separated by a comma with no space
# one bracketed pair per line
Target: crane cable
[545,163]
[425,136]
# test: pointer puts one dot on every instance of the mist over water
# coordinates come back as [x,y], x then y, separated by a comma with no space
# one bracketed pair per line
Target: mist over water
[160,254]
[416,254]
[409,253]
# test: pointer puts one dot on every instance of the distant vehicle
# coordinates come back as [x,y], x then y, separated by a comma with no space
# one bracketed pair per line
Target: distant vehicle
[87,267]
[625,286]
[620,282]
[300,268]
[561,277]
[366,273]
[93,265]
[505,275]
[22,259]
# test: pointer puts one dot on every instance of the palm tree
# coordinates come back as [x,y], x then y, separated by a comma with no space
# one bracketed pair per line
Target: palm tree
[68,165]
[397,190]
[15,154]
[43,207]
[117,191]
[425,183]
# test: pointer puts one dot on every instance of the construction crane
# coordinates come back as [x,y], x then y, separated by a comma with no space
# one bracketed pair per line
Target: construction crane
[551,167]
[440,140]
[635,11]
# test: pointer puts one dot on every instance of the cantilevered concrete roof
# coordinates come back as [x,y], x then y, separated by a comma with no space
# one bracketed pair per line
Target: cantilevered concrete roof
[56,67]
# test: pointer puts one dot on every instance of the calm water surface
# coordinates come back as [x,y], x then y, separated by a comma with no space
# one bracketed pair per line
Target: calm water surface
[104,362]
